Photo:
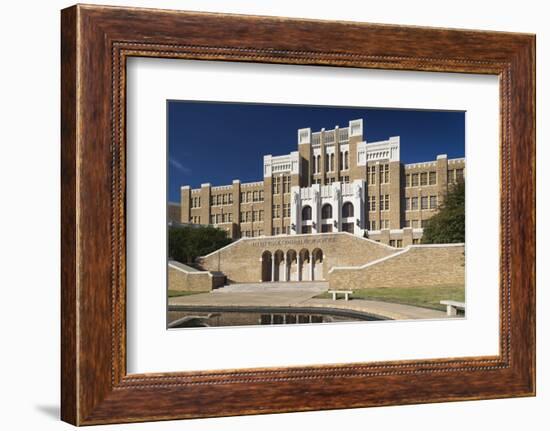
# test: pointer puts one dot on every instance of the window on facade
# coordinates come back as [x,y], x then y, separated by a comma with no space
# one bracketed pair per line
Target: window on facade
[260,232]
[347,210]
[326,211]
[212,219]
[327,161]
[306,213]
[326,228]
[433,202]
[346,160]
[414,180]
[399,243]
[276,211]
[372,203]
[332,162]
[407,204]
[407,223]
[407,180]
[384,174]
[276,185]
[286,210]
[341,161]
[286,184]
[231,198]
[384,224]
[254,215]
[242,219]
[414,203]
[459,175]
[371,174]
[249,196]
[392,242]
[450,176]
[243,197]
[424,203]
[424,179]
[261,215]
[416,241]
[347,227]
[249,216]
[373,225]
[432,178]
[306,229]
[230,217]
[261,195]
[255,196]
[384,202]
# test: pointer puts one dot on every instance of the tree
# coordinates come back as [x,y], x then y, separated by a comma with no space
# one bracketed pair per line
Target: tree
[187,243]
[448,225]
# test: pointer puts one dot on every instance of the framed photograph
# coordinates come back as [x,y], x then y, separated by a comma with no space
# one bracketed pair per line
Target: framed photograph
[329,214]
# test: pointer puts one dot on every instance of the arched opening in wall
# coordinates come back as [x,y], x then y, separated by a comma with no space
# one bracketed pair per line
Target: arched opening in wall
[266,266]
[317,264]
[346,160]
[306,213]
[318,164]
[326,211]
[347,210]
[332,162]
[279,265]
[291,265]
[304,273]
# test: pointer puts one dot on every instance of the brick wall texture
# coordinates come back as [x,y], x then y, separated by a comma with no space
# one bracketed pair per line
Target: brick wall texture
[413,267]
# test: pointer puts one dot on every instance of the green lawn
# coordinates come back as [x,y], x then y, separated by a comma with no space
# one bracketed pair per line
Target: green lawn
[428,297]
[174,293]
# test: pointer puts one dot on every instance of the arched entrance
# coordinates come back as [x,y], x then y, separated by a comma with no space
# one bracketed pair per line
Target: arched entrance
[266,266]
[291,264]
[304,265]
[279,266]
[317,264]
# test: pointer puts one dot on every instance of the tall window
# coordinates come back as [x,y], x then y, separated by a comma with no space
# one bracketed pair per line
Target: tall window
[414,180]
[433,202]
[326,211]
[371,174]
[243,197]
[384,174]
[414,203]
[384,202]
[286,184]
[332,162]
[346,160]
[318,164]
[424,203]
[459,175]
[341,161]
[424,179]
[261,215]
[306,213]
[407,204]
[276,211]
[276,185]
[432,178]
[372,203]
[256,195]
[347,210]
[286,210]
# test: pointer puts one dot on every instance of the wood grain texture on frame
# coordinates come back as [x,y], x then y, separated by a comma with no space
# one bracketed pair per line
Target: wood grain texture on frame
[96,41]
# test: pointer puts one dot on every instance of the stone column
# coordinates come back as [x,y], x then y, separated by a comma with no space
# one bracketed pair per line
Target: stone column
[298,261]
[310,267]
[285,274]
[273,268]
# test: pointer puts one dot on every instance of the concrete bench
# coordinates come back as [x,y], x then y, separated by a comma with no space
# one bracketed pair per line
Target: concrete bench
[346,293]
[453,307]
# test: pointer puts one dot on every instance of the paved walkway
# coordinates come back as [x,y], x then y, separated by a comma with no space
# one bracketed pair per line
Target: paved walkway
[299,295]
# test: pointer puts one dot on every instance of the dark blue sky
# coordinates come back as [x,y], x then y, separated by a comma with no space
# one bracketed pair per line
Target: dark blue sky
[212,142]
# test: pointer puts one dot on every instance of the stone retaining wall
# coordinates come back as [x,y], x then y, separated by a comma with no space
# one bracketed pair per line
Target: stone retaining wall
[414,266]
[241,261]
[191,281]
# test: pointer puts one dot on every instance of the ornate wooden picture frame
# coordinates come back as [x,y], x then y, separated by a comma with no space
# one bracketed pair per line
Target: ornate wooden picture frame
[96,41]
